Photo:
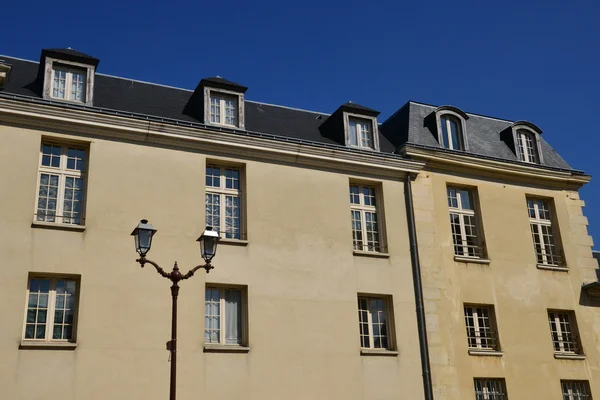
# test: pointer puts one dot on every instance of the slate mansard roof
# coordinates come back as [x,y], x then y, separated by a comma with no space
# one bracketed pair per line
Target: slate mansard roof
[141,99]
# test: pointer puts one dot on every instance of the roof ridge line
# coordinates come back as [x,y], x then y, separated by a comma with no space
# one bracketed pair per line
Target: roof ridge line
[20,59]
[289,108]
[145,82]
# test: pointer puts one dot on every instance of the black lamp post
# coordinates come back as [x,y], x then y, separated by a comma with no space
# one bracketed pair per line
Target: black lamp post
[143,234]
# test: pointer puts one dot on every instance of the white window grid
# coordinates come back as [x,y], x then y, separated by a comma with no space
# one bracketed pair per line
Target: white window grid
[544,242]
[480,328]
[576,390]
[68,83]
[562,329]
[360,133]
[51,308]
[216,318]
[364,213]
[490,389]
[451,132]
[223,109]
[224,200]
[374,323]
[463,221]
[61,181]
[526,147]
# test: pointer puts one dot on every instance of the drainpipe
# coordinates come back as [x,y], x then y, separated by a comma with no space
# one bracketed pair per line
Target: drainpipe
[420,309]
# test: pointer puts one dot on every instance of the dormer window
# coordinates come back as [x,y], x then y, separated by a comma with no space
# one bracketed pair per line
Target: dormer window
[217,101]
[360,133]
[451,132]
[353,125]
[68,75]
[451,127]
[223,109]
[525,145]
[524,137]
[68,83]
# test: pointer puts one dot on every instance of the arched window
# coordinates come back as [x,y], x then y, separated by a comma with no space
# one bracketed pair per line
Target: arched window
[451,137]
[526,146]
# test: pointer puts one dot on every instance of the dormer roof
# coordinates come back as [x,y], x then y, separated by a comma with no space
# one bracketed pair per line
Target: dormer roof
[69,54]
[222,83]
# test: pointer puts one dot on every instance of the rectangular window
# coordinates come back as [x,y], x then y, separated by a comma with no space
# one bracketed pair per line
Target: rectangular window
[223,109]
[480,322]
[490,389]
[51,309]
[223,316]
[364,213]
[544,241]
[563,329]
[69,83]
[61,184]
[463,220]
[576,390]
[360,133]
[374,322]
[223,201]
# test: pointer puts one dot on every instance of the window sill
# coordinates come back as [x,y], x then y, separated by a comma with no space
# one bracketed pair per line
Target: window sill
[552,268]
[472,260]
[373,352]
[60,227]
[215,348]
[373,254]
[564,356]
[32,345]
[486,353]
[234,242]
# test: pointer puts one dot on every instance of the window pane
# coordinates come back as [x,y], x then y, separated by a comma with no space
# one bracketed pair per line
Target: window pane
[47,198]
[230,111]
[212,315]
[78,86]
[233,316]
[354,196]
[357,237]
[232,217]
[215,109]
[75,159]
[59,84]
[213,211]
[352,134]
[445,137]
[454,134]
[37,309]
[213,177]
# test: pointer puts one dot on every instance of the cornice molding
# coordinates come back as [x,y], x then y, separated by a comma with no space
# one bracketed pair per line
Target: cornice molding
[492,168]
[240,143]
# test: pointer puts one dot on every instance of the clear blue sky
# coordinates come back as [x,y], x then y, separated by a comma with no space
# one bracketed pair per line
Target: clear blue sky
[533,60]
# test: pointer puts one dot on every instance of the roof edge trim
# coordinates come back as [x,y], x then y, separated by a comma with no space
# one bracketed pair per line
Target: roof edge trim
[527,124]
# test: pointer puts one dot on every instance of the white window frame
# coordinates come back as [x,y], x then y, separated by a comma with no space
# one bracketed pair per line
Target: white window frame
[63,173]
[363,209]
[463,213]
[536,223]
[222,191]
[486,394]
[388,320]
[369,143]
[445,119]
[524,152]
[575,389]
[556,318]
[243,340]
[69,72]
[222,104]
[487,314]
[50,311]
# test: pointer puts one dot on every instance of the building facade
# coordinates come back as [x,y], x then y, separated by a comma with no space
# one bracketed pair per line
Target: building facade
[315,288]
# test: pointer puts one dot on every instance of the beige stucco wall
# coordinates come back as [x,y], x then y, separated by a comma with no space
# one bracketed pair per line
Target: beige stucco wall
[520,292]
[301,274]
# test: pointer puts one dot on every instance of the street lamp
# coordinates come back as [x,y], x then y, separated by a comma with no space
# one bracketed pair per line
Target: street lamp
[209,239]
